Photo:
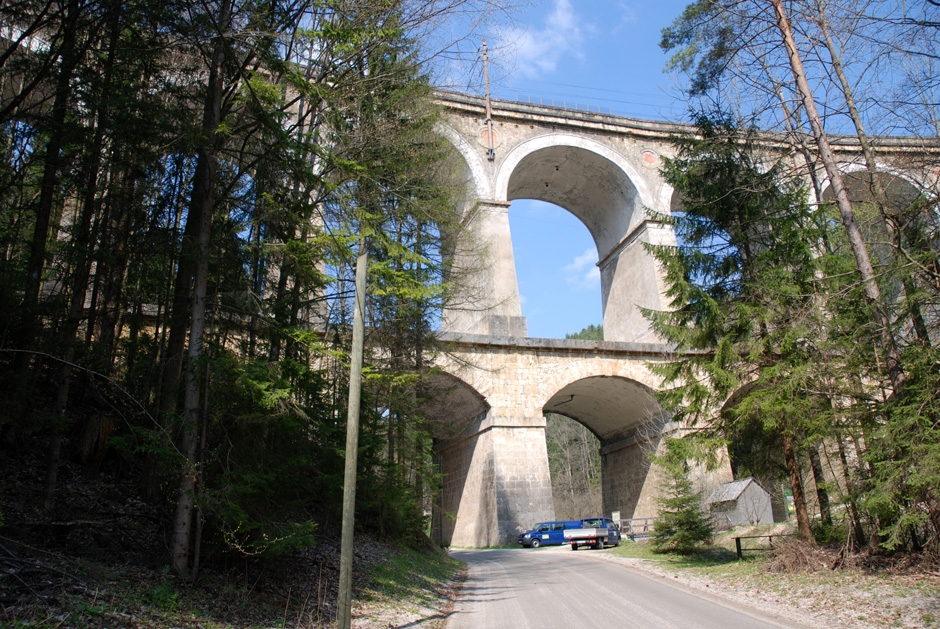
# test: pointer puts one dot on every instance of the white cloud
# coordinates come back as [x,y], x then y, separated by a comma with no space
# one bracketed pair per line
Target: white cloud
[628,15]
[582,261]
[539,50]
[592,277]
[582,272]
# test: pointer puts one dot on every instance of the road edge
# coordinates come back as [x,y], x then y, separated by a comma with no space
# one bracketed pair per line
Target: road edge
[785,621]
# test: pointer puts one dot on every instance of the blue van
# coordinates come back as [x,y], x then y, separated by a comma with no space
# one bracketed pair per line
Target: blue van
[548,533]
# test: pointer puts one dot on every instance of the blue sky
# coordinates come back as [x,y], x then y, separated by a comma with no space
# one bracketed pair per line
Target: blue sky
[598,54]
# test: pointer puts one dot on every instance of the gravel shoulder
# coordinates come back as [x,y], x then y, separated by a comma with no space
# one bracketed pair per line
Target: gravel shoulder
[850,600]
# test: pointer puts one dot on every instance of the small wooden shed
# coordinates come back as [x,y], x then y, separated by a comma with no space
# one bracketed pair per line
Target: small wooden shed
[742,501]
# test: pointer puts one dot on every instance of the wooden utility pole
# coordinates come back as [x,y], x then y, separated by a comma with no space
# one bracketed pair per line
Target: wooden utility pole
[344,601]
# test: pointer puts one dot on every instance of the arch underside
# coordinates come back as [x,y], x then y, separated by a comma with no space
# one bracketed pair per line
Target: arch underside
[586,184]
[900,192]
[494,472]
[629,423]
[596,185]
[600,186]
[609,406]
[453,406]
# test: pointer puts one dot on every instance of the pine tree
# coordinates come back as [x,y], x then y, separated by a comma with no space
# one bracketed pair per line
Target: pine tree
[681,525]
[742,284]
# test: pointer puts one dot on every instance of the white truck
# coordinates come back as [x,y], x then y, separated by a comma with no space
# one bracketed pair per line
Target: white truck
[594,532]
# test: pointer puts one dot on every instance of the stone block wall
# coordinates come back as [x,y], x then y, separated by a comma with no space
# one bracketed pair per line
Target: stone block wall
[629,479]
[631,483]
[496,482]
[522,483]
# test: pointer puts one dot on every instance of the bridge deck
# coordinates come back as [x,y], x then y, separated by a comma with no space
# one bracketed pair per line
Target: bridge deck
[549,115]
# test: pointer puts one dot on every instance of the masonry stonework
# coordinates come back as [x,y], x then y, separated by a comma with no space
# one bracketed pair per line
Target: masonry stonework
[604,170]
[496,479]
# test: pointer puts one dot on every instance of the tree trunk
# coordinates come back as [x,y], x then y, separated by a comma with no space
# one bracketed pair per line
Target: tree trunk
[167,311]
[112,288]
[859,249]
[81,269]
[201,206]
[30,323]
[877,189]
[277,331]
[796,485]
[858,530]
[257,278]
[822,496]
[178,322]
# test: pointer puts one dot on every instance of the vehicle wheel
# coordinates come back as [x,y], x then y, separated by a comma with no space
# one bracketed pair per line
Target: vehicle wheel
[535,543]
[574,547]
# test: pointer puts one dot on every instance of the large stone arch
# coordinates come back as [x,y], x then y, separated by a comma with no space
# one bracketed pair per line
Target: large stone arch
[554,377]
[899,185]
[903,189]
[564,141]
[609,406]
[629,424]
[609,195]
[453,407]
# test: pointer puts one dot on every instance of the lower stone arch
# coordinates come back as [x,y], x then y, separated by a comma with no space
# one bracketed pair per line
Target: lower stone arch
[629,423]
[500,459]
[610,406]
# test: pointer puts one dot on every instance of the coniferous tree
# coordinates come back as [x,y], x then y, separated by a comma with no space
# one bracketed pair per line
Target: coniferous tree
[741,283]
[872,64]
[681,526]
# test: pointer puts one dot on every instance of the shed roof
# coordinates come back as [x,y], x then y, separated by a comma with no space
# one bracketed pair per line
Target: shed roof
[732,490]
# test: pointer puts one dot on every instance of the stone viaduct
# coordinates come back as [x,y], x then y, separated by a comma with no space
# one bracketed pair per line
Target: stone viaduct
[496,384]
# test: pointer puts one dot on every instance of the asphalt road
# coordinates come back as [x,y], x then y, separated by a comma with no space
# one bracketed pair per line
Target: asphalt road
[555,587]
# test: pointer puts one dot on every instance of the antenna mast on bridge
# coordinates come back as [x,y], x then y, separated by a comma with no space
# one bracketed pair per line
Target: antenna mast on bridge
[490,140]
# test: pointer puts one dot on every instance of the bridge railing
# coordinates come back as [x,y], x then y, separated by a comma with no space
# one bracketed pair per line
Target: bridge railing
[564,104]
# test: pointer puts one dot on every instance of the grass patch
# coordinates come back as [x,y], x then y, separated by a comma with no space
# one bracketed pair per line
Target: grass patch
[410,575]
[881,597]
[707,556]
[411,587]
[714,560]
